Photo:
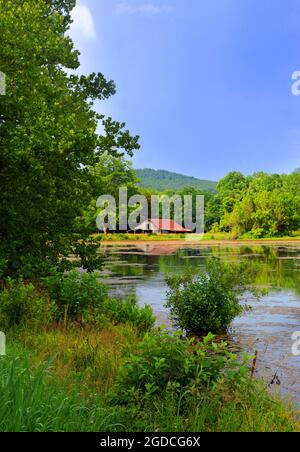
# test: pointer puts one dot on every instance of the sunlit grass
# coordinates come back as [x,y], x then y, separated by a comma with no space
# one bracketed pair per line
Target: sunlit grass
[209,236]
[91,356]
[37,398]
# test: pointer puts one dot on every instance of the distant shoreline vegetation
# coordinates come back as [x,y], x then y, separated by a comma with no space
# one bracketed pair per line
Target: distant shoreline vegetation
[256,206]
[211,237]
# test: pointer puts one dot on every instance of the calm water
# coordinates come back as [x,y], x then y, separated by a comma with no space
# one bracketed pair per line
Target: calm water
[268,328]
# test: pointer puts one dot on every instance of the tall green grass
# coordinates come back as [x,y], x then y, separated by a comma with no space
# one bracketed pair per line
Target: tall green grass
[33,400]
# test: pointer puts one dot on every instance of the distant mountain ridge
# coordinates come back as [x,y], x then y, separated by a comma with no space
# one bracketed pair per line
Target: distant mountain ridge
[162,180]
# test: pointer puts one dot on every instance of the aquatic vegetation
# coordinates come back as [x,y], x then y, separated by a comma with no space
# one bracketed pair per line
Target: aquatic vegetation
[208,302]
[107,369]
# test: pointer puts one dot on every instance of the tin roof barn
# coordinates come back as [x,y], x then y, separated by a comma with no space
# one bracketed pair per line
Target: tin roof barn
[161,226]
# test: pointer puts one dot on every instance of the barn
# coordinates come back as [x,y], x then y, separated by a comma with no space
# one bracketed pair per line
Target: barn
[160,226]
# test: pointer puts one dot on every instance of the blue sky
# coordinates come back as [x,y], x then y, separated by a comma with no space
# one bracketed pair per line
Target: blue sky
[205,83]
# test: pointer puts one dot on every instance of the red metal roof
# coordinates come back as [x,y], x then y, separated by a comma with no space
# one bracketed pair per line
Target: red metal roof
[168,225]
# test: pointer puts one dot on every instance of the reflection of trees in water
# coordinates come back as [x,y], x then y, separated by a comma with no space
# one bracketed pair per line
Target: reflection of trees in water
[280,274]
[275,270]
[132,264]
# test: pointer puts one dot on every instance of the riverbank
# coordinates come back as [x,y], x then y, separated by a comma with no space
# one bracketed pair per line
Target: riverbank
[203,242]
[208,239]
[79,360]
[76,379]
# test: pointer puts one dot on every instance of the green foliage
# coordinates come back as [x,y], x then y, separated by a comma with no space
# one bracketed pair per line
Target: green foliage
[90,258]
[48,138]
[165,362]
[107,176]
[210,301]
[230,189]
[128,311]
[161,180]
[75,296]
[3,266]
[32,401]
[75,293]
[80,296]
[22,305]
[257,206]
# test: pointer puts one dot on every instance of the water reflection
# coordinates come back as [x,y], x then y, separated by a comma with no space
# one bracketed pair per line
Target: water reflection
[268,328]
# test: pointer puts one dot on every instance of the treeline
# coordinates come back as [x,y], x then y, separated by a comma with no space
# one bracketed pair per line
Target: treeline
[256,206]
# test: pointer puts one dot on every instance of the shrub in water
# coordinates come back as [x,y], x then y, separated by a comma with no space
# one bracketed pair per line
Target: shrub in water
[210,301]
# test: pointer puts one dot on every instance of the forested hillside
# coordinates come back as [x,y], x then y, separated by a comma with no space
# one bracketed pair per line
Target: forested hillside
[166,180]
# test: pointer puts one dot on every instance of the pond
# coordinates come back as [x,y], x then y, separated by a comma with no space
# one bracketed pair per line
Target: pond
[140,268]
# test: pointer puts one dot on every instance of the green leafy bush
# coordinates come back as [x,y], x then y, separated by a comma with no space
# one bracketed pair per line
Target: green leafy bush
[90,258]
[75,293]
[23,305]
[128,311]
[165,362]
[81,295]
[210,301]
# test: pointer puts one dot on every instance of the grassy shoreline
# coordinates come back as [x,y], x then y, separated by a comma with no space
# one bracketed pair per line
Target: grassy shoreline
[207,239]
[79,360]
[60,380]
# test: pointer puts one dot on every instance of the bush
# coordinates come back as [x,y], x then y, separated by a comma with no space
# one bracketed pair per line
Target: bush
[23,305]
[165,362]
[75,293]
[128,311]
[82,295]
[210,301]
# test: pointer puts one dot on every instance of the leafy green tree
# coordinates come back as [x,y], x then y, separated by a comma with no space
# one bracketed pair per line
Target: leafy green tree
[264,182]
[269,206]
[231,189]
[48,137]
[108,175]
[213,211]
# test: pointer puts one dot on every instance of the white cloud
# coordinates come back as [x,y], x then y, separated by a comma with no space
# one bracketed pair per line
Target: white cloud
[147,9]
[83,25]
